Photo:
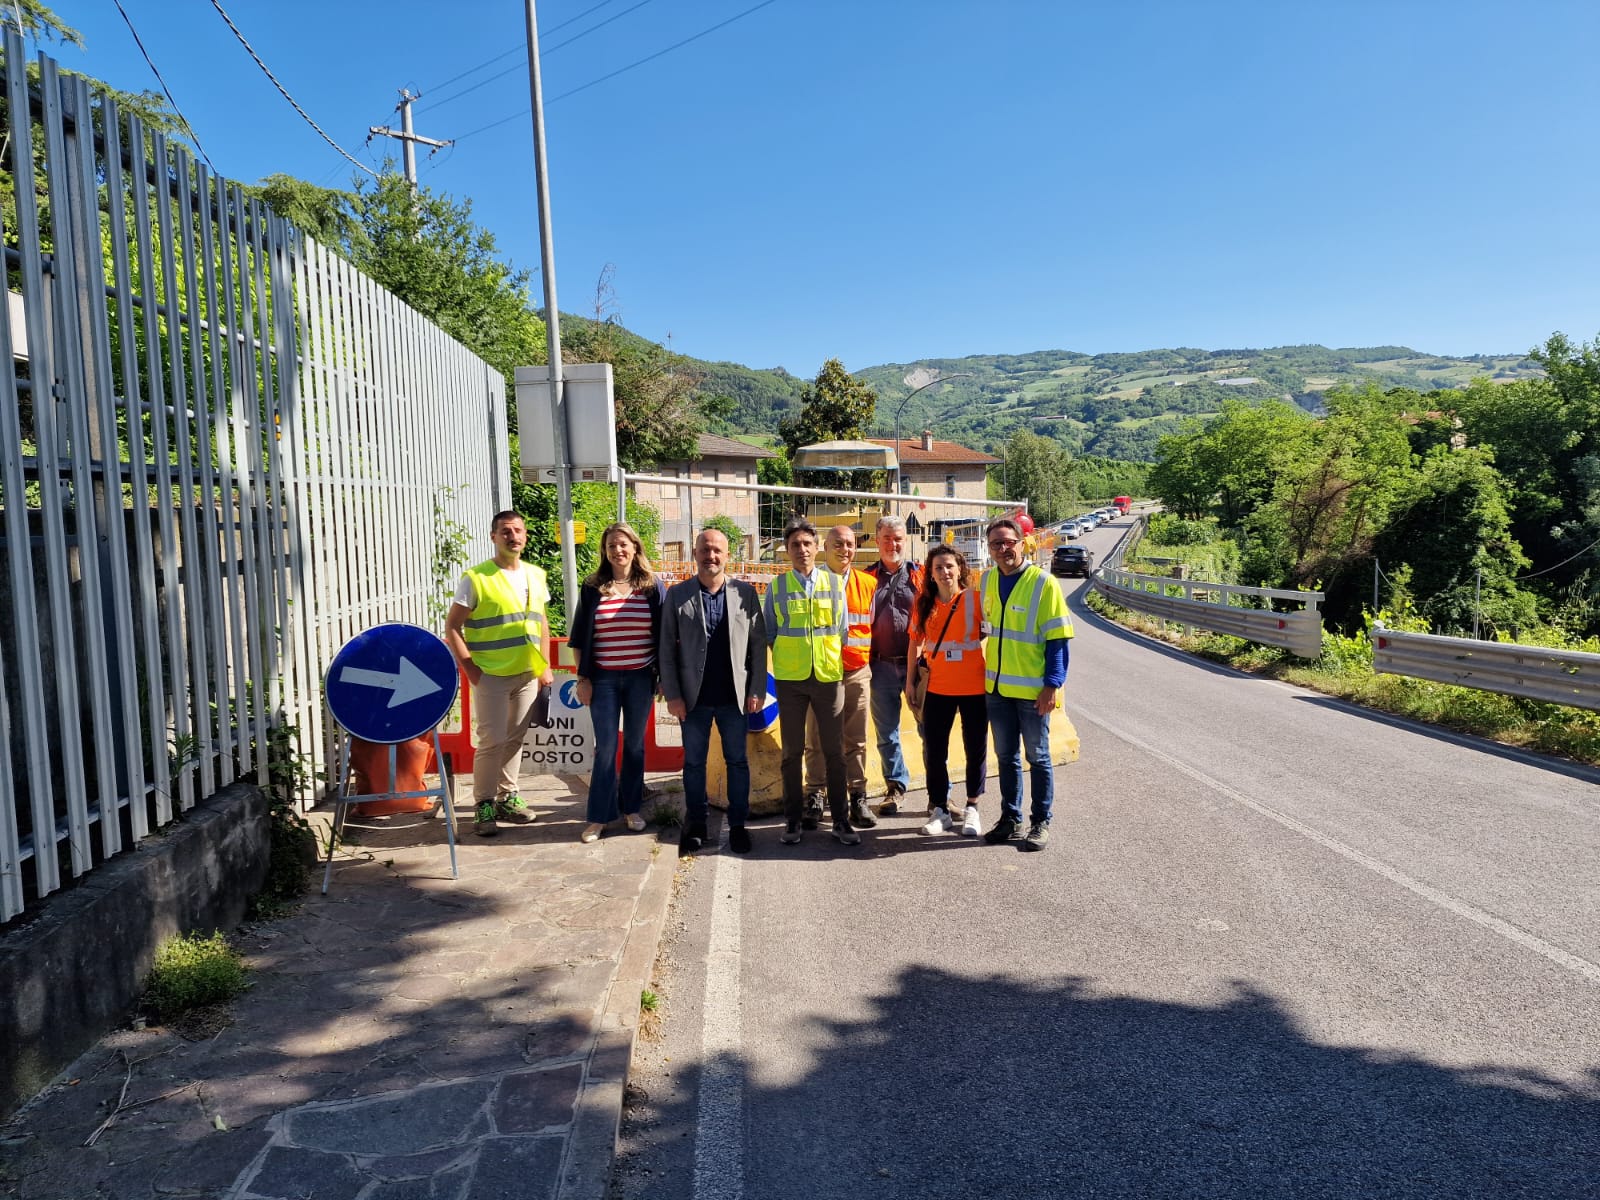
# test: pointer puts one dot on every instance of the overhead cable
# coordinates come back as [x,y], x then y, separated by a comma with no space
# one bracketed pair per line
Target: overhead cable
[621,70]
[519,49]
[187,124]
[243,41]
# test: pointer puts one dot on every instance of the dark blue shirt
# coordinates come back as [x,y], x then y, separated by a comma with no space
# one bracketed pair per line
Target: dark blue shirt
[716,686]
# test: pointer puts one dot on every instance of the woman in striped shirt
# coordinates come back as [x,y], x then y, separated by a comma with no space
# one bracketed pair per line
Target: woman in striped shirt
[614,635]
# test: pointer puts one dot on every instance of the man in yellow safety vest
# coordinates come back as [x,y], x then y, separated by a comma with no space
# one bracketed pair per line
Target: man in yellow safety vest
[839,552]
[499,633]
[1027,625]
[806,622]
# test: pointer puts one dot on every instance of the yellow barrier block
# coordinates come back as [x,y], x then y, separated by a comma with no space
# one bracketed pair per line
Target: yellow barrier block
[765,752]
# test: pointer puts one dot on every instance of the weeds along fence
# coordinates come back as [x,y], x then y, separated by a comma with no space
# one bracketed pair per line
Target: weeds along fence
[228,453]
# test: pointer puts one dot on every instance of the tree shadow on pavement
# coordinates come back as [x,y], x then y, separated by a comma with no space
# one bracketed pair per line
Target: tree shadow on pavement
[965,1087]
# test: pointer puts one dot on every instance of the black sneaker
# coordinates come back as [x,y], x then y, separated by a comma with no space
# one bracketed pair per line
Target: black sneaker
[791,833]
[1038,836]
[845,835]
[891,800]
[860,815]
[1005,830]
[811,815]
[693,836]
[739,839]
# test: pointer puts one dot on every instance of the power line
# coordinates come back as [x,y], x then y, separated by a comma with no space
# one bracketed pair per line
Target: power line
[518,49]
[621,70]
[216,4]
[187,124]
[545,53]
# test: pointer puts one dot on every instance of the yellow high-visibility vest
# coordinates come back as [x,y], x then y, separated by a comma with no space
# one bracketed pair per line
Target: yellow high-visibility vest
[805,633]
[505,633]
[1014,654]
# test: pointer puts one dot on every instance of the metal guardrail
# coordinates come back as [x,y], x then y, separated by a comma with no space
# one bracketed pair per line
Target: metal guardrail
[1299,631]
[1534,672]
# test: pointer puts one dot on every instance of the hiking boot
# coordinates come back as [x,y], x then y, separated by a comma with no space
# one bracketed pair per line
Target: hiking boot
[860,815]
[844,834]
[939,824]
[891,799]
[811,814]
[791,833]
[972,823]
[739,840]
[513,808]
[483,819]
[1038,836]
[1005,830]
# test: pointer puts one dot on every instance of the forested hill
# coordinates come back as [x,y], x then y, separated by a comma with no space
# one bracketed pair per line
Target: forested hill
[1115,405]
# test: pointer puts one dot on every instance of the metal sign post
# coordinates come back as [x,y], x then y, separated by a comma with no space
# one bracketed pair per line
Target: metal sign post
[389,685]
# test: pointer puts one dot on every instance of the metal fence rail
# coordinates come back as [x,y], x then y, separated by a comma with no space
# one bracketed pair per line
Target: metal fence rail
[227,452]
[1534,672]
[1217,607]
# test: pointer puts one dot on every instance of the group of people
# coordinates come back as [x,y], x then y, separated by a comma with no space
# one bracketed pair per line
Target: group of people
[844,643]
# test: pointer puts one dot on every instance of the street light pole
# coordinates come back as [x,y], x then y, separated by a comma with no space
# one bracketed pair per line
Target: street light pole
[900,408]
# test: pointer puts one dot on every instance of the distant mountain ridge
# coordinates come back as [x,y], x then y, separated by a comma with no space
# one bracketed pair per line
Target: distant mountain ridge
[1114,405]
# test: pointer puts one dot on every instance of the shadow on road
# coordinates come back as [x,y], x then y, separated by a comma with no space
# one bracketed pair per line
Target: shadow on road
[964,1087]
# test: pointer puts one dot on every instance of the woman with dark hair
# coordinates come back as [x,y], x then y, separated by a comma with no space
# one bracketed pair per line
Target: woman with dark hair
[614,634]
[947,635]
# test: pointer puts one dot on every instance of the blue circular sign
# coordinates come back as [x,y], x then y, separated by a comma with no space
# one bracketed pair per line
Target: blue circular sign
[392,683]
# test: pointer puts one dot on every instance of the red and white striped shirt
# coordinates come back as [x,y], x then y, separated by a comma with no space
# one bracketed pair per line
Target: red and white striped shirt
[622,637]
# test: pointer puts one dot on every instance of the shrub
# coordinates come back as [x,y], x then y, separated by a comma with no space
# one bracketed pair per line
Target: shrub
[191,972]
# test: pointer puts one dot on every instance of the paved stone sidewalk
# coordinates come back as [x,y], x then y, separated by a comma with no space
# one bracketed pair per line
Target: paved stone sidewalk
[407,1036]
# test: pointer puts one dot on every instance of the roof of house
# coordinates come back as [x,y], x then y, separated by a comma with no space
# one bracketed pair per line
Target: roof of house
[910,452]
[714,446]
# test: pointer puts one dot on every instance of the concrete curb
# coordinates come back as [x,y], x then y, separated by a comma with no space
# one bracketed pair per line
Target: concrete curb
[597,1118]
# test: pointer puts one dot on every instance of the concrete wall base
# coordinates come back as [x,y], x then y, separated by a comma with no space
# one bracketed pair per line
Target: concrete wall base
[74,971]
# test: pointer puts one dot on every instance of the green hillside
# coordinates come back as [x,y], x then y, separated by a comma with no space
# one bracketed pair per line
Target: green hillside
[1112,405]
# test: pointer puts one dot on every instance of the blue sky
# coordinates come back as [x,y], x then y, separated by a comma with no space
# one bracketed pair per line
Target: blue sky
[881,182]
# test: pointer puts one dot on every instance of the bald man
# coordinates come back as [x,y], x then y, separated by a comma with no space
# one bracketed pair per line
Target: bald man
[839,551]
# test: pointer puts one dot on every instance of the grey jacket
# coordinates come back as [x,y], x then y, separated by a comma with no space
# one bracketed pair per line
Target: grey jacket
[682,653]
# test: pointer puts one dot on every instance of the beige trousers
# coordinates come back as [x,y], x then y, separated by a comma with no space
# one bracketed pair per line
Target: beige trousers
[500,708]
[853,724]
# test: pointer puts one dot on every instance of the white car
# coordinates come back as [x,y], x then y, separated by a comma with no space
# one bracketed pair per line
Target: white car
[1070,529]
[1088,521]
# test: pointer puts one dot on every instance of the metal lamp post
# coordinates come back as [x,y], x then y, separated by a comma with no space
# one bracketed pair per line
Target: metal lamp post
[900,408]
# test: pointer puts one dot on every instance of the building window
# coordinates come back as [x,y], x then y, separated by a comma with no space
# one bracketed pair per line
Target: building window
[905,486]
[949,485]
[710,474]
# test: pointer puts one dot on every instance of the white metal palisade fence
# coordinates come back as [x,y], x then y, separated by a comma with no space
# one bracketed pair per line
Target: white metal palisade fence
[228,452]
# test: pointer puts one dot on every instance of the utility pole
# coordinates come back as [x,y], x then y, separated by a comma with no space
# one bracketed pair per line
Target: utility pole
[406,136]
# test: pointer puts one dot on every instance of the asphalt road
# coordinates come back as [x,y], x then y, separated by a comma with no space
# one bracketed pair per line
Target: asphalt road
[1278,947]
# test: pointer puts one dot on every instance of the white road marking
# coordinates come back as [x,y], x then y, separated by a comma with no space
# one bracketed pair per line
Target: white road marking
[719,1130]
[1528,941]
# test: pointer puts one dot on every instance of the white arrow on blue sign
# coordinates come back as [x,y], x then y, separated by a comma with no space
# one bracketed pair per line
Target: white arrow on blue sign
[391,683]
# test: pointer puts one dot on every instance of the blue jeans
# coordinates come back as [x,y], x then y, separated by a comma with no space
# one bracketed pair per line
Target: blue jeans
[619,697]
[1016,726]
[731,724]
[888,690]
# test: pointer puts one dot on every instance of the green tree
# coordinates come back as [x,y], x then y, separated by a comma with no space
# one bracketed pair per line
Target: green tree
[1040,471]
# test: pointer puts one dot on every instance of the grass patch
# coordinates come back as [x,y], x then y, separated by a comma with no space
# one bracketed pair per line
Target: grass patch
[192,975]
[666,814]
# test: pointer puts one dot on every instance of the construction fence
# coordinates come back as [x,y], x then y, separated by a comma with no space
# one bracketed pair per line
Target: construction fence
[228,453]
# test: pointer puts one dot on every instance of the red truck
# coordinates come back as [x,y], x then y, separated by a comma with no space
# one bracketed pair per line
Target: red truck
[1122,504]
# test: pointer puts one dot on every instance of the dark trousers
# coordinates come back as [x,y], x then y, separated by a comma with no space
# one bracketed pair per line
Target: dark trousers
[735,731]
[938,718]
[796,698]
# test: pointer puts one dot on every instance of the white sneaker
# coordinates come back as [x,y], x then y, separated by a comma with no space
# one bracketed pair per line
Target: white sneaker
[972,824]
[939,823]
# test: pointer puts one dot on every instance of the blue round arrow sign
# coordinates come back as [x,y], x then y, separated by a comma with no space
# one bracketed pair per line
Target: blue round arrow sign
[391,683]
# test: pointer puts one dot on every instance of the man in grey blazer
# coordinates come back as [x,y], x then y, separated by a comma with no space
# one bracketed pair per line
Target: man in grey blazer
[713,659]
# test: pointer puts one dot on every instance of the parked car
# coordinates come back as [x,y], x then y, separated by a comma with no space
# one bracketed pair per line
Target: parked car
[1072,560]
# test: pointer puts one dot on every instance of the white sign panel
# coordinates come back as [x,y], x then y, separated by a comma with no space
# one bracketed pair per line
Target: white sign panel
[591,421]
[567,747]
